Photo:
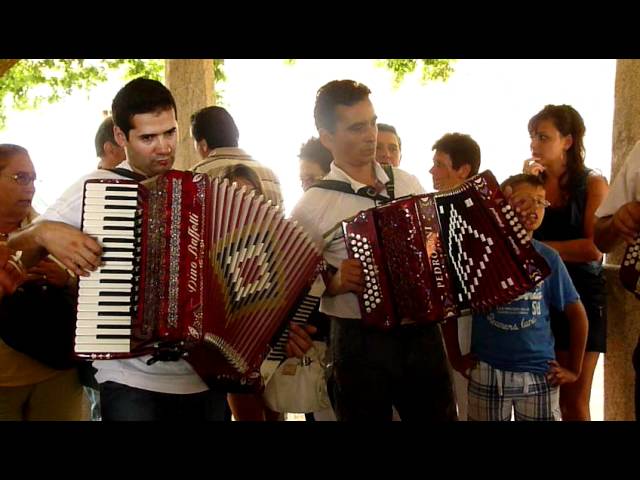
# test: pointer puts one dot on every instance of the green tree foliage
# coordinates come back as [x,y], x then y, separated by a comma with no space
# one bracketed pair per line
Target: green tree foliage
[432,69]
[219,77]
[28,83]
[25,84]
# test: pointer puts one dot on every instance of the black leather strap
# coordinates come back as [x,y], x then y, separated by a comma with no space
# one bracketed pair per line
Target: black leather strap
[138,177]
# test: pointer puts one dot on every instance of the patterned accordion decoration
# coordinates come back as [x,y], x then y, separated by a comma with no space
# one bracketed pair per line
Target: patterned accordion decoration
[427,257]
[630,268]
[192,266]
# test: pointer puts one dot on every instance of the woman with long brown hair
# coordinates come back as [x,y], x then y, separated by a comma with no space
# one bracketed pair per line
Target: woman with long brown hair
[574,192]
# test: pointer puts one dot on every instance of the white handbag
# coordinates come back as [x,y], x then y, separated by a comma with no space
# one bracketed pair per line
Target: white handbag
[299,384]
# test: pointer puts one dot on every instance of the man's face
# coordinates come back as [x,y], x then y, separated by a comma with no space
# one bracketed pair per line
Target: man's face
[113,155]
[151,147]
[353,144]
[388,148]
[443,174]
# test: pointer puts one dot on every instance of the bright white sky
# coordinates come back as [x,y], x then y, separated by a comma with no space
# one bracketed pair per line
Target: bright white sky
[492,100]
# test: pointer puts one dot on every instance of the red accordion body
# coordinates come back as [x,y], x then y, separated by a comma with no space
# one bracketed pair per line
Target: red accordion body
[427,257]
[214,273]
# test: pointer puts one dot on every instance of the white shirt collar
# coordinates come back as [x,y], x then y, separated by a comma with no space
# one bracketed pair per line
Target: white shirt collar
[336,173]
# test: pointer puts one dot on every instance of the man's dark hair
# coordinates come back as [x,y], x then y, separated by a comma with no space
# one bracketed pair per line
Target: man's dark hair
[313,151]
[141,95]
[383,127]
[334,93]
[103,135]
[515,180]
[216,126]
[8,151]
[462,149]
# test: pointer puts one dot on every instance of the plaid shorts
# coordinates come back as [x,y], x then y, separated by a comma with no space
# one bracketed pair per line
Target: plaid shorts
[493,394]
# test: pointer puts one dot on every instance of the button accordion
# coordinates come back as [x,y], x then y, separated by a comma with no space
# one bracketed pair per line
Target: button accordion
[191,265]
[428,257]
[630,268]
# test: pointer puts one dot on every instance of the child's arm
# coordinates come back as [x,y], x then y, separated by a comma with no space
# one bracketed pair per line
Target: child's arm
[578,328]
[461,363]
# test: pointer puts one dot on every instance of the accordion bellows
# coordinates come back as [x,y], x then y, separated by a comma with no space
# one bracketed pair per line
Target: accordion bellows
[428,257]
[192,263]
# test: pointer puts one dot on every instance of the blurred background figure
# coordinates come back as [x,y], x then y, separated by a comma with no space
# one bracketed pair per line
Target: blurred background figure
[388,145]
[315,162]
[110,153]
[457,158]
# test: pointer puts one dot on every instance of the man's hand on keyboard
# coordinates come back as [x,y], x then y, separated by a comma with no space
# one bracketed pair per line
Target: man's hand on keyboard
[300,340]
[77,251]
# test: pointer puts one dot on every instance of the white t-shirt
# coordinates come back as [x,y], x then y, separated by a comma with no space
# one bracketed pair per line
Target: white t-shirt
[165,377]
[626,186]
[321,211]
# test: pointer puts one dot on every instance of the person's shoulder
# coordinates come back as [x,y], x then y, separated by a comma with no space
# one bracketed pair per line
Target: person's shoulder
[98,174]
[401,176]
[544,249]
[316,195]
[595,178]
[259,166]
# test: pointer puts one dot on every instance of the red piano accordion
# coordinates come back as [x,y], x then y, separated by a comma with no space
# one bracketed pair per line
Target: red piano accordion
[194,266]
[630,268]
[428,257]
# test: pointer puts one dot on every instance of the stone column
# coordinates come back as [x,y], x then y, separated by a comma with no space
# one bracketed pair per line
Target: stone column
[192,85]
[624,309]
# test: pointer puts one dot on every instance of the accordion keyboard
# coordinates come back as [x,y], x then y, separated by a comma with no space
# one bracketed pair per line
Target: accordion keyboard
[106,298]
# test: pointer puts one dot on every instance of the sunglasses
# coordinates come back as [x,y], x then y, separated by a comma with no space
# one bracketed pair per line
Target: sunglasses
[22,178]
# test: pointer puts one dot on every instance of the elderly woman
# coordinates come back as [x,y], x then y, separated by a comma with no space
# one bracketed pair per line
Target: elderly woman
[30,390]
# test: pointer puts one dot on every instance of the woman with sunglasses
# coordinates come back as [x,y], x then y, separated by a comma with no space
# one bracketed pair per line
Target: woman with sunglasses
[574,192]
[30,390]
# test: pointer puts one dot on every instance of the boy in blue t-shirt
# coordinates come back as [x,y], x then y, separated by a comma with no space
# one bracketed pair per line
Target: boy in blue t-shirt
[512,362]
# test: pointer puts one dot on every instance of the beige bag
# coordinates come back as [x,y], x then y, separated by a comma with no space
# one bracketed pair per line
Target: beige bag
[299,384]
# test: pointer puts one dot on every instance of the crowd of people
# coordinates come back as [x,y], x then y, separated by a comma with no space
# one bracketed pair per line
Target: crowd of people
[533,358]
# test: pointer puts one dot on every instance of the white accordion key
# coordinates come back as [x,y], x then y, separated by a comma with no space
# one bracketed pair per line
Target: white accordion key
[89,307]
[102,348]
[120,331]
[94,340]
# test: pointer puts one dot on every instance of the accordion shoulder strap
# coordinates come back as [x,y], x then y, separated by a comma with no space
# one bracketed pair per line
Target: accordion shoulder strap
[138,177]
[390,184]
[368,192]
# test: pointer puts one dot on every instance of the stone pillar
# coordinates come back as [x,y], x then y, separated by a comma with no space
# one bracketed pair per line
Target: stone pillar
[624,309]
[622,333]
[192,84]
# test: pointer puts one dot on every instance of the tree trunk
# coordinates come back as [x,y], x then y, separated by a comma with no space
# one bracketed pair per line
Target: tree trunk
[192,85]
[6,64]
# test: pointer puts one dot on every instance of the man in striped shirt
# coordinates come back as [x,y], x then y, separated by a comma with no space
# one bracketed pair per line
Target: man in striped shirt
[215,138]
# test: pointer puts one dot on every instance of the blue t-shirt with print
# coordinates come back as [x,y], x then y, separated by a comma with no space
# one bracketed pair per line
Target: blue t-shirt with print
[517,337]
